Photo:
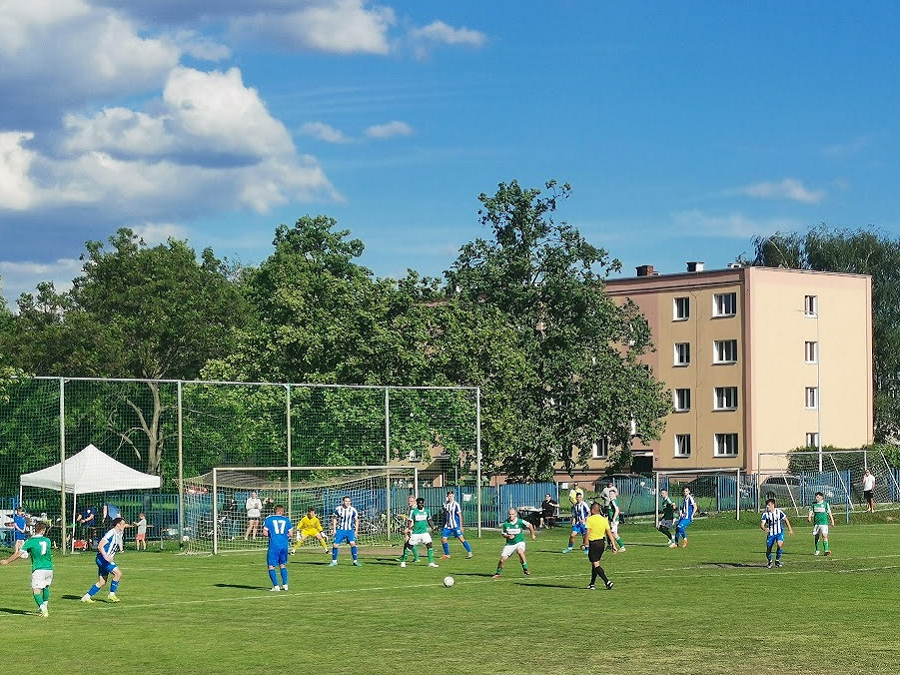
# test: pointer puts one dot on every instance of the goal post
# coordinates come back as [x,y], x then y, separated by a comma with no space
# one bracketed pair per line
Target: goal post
[216,519]
[723,490]
[793,479]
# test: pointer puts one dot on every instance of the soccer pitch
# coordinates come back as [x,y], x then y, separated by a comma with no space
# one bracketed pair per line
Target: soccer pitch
[710,608]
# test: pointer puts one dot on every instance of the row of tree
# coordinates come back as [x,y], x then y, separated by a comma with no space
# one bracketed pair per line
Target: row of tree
[521,313]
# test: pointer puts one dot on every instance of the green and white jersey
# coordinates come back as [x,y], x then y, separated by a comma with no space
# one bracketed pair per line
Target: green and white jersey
[613,509]
[38,549]
[515,530]
[419,518]
[668,509]
[820,512]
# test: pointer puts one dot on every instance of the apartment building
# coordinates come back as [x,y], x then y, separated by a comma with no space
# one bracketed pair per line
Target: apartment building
[757,360]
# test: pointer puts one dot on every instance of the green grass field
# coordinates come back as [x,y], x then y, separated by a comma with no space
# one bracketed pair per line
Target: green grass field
[709,608]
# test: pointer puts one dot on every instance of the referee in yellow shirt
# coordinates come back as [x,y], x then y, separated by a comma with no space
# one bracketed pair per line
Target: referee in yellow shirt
[595,543]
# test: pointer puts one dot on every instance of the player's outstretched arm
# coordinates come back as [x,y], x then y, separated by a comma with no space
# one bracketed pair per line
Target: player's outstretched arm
[531,527]
[15,556]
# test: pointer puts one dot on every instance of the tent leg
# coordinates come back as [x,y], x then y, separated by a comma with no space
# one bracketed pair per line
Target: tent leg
[74,511]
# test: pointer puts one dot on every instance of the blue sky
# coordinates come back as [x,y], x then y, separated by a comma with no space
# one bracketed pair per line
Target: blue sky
[684,128]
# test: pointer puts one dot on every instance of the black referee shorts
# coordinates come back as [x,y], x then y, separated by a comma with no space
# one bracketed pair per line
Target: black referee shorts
[596,548]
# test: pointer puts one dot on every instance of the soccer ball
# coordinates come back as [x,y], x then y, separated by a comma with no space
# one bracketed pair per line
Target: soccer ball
[448,581]
[24,555]
[185,538]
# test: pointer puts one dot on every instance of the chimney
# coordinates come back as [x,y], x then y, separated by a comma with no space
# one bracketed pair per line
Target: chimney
[695,266]
[644,270]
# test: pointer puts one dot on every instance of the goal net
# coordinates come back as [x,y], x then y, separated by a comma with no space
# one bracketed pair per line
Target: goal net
[216,504]
[714,490]
[792,479]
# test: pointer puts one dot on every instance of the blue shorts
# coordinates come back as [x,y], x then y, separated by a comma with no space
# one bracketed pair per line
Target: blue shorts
[448,532]
[21,536]
[772,538]
[683,524]
[341,536]
[104,569]
[277,556]
[579,528]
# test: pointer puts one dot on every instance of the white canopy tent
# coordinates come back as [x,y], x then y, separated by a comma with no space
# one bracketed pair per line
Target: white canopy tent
[88,472]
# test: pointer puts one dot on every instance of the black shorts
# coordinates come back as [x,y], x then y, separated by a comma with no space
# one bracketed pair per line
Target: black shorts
[596,549]
[868,494]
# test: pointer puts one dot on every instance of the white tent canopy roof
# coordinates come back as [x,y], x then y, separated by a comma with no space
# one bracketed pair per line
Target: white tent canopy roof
[91,471]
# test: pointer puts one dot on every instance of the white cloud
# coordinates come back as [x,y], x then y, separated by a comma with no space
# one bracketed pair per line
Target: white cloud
[69,51]
[159,233]
[789,188]
[24,276]
[438,31]
[17,191]
[852,147]
[199,46]
[324,132]
[695,223]
[334,26]
[389,130]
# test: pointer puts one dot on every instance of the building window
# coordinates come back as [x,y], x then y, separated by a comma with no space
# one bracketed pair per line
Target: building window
[725,351]
[600,449]
[682,353]
[682,309]
[725,304]
[726,398]
[726,445]
[812,440]
[812,398]
[682,445]
[811,305]
[682,400]
[812,352]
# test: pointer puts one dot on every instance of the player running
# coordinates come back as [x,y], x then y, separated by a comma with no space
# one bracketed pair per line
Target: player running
[419,527]
[344,526]
[453,526]
[820,515]
[278,528]
[38,549]
[613,515]
[688,510]
[106,566]
[310,526]
[668,517]
[594,542]
[513,529]
[580,513]
[772,523]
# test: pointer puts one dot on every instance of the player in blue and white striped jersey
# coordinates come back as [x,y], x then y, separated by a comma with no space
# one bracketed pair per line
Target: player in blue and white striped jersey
[344,526]
[106,566]
[580,513]
[453,526]
[688,510]
[772,523]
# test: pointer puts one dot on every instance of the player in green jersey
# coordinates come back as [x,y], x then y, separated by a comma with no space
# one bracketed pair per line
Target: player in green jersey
[419,528]
[820,515]
[38,549]
[613,515]
[513,530]
[668,517]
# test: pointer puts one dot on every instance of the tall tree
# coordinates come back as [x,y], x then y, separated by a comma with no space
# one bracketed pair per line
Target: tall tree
[578,378]
[135,312]
[856,251]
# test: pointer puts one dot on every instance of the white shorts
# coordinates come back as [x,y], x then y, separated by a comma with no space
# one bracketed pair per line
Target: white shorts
[820,529]
[614,526]
[509,549]
[416,539]
[41,578]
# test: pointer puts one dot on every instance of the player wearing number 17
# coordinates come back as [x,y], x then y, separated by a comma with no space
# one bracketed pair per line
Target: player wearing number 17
[38,548]
[278,528]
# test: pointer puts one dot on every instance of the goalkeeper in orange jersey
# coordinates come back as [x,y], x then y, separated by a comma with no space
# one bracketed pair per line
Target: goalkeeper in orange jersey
[310,526]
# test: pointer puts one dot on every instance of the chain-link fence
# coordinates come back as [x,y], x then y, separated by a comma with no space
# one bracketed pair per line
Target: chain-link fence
[177,430]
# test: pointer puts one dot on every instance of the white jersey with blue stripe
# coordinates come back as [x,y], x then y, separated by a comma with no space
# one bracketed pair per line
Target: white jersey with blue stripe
[346,517]
[688,507]
[452,515]
[110,543]
[774,521]
[580,512]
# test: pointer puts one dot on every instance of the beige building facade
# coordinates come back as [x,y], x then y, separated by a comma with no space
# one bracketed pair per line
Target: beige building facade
[757,360]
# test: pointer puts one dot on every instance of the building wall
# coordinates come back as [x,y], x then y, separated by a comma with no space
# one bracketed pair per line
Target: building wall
[778,371]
